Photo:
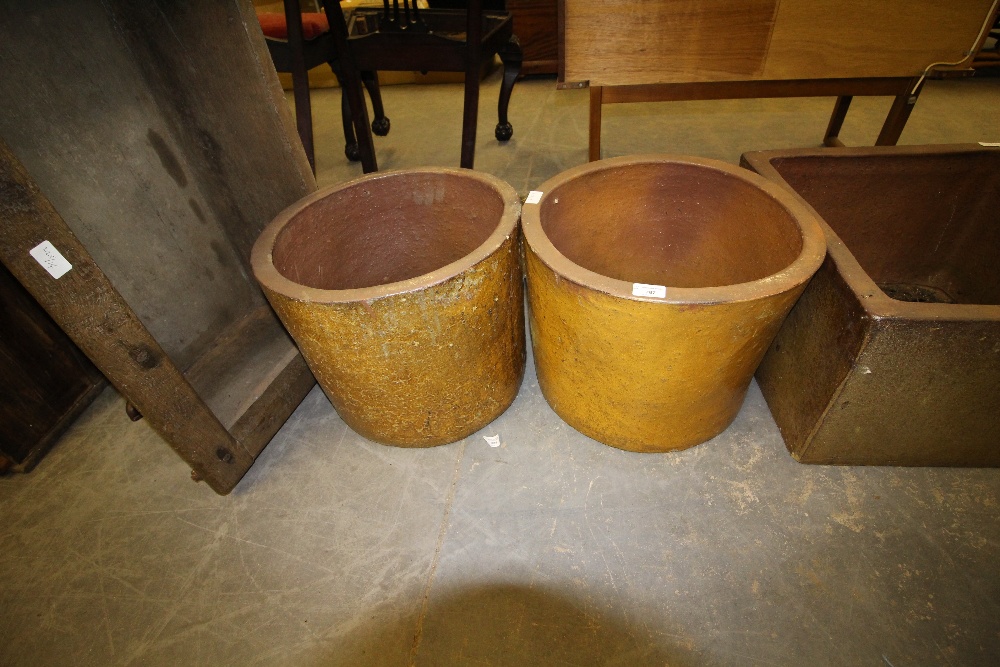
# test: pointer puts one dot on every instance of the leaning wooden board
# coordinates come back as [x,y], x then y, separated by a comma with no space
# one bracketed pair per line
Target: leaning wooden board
[150,148]
[630,43]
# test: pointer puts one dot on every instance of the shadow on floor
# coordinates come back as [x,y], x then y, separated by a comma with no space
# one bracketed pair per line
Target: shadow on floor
[506,624]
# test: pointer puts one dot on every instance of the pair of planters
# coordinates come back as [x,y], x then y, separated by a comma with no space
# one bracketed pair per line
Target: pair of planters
[655,286]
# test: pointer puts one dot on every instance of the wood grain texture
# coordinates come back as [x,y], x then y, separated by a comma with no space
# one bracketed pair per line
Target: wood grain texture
[535,25]
[628,42]
[861,38]
[632,42]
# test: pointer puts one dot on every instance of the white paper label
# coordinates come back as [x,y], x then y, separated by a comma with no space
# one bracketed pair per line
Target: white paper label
[51,259]
[658,291]
[990,144]
[492,440]
[534,197]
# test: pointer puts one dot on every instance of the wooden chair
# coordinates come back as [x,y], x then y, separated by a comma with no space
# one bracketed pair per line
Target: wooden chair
[403,37]
[299,42]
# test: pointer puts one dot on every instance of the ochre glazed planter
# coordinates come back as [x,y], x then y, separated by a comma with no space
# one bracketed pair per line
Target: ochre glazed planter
[403,290]
[892,356]
[655,285]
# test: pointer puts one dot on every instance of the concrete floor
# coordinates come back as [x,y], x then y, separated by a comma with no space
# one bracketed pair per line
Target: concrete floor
[553,548]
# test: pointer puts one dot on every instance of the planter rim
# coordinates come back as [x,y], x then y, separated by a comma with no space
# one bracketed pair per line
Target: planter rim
[874,301]
[796,273]
[262,261]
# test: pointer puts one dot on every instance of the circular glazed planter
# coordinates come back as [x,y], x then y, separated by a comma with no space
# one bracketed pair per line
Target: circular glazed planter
[655,285]
[403,291]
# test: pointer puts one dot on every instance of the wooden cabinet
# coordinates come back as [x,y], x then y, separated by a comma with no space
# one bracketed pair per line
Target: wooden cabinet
[536,27]
[47,381]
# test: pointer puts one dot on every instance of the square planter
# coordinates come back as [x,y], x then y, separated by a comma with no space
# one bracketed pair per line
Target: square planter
[892,355]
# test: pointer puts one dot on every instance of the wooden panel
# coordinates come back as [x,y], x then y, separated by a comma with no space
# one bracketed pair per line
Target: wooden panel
[628,42]
[863,38]
[625,42]
[151,147]
[136,146]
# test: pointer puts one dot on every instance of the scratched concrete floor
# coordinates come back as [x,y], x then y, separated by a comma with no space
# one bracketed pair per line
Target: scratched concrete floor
[549,550]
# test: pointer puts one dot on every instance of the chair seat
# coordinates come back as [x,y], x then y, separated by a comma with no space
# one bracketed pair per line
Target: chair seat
[440,47]
[433,40]
[274,27]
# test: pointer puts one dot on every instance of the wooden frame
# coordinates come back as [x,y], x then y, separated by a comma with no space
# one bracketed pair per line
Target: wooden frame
[904,90]
[154,191]
[791,49]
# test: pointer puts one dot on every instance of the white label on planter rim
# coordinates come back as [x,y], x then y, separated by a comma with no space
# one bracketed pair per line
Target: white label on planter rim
[640,289]
[990,144]
[492,440]
[534,197]
[51,259]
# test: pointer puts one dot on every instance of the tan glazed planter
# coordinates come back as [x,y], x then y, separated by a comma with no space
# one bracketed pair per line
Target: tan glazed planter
[655,285]
[403,290]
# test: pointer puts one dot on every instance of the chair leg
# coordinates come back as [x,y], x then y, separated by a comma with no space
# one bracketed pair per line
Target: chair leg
[351,149]
[352,85]
[511,56]
[380,125]
[303,115]
[473,58]
[300,80]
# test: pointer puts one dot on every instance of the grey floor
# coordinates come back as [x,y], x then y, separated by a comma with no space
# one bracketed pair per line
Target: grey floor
[552,549]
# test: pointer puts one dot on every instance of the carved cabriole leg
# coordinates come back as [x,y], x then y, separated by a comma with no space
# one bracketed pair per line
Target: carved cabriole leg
[351,83]
[511,56]
[380,125]
[351,149]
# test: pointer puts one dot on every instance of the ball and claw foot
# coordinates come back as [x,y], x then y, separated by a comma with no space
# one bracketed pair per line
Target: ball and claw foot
[504,131]
[380,126]
[352,152]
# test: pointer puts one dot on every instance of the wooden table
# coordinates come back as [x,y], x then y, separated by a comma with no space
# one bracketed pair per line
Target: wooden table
[641,51]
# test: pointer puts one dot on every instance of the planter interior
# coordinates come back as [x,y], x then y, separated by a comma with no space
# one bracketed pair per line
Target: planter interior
[672,224]
[906,312]
[369,235]
[728,252]
[922,226]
